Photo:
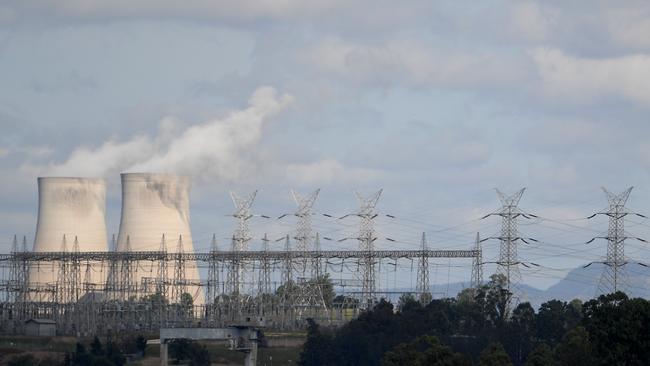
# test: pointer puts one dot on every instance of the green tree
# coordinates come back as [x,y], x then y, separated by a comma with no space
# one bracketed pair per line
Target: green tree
[497,298]
[575,349]
[408,302]
[22,360]
[326,287]
[518,338]
[114,354]
[619,329]
[96,347]
[551,321]
[423,351]
[494,355]
[179,349]
[573,313]
[317,349]
[141,344]
[542,355]
[199,355]
[81,357]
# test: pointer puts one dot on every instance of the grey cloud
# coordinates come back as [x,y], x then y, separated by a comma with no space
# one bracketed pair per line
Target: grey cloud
[72,82]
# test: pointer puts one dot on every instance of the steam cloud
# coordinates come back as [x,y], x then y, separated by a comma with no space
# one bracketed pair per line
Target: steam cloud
[217,149]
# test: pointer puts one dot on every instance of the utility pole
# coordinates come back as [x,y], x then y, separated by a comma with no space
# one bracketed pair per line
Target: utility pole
[366,240]
[422,287]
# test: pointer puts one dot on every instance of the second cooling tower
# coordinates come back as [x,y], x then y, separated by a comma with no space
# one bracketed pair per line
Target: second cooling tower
[154,205]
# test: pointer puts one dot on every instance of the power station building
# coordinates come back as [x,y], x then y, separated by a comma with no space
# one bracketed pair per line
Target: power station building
[156,216]
[71,217]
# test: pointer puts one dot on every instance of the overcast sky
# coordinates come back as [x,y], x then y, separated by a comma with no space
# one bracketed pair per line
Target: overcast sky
[436,102]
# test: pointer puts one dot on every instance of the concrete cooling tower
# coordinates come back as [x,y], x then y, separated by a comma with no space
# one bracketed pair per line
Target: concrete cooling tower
[154,205]
[70,207]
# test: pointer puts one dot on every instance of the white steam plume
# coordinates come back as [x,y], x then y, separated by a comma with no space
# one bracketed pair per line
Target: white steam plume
[218,149]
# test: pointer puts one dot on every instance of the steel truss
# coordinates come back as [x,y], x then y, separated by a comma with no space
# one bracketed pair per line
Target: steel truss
[117,304]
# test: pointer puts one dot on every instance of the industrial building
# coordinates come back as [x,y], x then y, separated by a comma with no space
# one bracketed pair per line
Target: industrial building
[72,283]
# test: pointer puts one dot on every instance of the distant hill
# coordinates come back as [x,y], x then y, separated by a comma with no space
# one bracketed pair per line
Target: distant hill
[580,283]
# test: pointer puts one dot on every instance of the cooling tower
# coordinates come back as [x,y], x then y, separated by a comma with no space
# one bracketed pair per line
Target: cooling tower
[70,207]
[154,205]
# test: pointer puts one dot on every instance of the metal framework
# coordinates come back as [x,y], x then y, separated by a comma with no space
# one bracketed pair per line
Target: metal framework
[422,286]
[614,277]
[240,239]
[366,240]
[120,305]
[477,264]
[508,261]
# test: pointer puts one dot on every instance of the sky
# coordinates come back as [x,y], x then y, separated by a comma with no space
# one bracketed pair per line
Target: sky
[435,102]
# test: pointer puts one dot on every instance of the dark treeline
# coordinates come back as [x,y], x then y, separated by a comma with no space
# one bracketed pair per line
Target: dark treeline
[475,329]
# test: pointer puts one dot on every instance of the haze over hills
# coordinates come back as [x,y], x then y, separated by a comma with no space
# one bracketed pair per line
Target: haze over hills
[580,283]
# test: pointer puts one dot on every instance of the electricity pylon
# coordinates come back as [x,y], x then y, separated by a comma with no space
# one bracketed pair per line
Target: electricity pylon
[508,260]
[366,240]
[304,234]
[241,236]
[508,263]
[422,286]
[309,292]
[477,264]
[614,277]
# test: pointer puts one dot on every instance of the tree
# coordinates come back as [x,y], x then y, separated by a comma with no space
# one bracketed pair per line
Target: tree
[22,360]
[179,349]
[551,321]
[326,287]
[186,305]
[317,349]
[542,355]
[575,349]
[573,313]
[96,347]
[619,329]
[141,344]
[345,302]
[423,351]
[497,298]
[114,355]
[408,302]
[494,355]
[200,356]
[519,336]
[80,357]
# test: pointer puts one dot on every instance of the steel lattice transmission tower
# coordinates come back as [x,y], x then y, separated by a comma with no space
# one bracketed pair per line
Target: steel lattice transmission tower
[423,274]
[304,233]
[508,261]
[613,278]
[366,240]
[241,238]
[212,289]
[309,292]
[477,264]
[265,270]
